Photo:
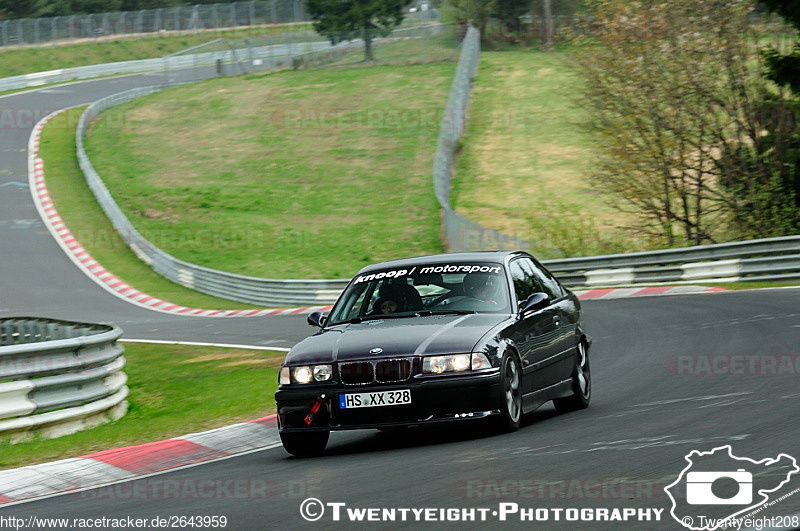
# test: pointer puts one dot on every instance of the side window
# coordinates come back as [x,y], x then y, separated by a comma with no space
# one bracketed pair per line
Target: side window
[524,282]
[549,284]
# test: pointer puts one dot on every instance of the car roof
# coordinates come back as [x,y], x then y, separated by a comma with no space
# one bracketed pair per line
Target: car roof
[436,259]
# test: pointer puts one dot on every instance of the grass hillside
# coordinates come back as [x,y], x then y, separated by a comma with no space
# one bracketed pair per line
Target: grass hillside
[301,174]
[525,159]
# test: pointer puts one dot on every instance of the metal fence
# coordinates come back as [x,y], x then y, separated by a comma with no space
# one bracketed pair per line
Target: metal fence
[769,259]
[255,15]
[307,49]
[295,49]
[182,19]
[462,234]
[58,376]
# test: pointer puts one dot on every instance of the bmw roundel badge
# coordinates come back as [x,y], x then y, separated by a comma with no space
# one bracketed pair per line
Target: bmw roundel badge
[376,350]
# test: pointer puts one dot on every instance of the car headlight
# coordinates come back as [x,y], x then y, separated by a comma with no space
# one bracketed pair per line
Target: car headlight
[304,374]
[322,373]
[449,363]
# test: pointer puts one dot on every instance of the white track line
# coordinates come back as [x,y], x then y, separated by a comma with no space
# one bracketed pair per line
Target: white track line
[199,344]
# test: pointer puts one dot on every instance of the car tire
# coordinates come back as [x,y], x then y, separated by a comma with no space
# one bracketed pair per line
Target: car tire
[308,444]
[581,383]
[510,403]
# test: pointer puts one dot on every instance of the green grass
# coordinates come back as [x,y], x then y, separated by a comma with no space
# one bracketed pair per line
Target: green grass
[17,61]
[302,174]
[83,216]
[430,48]
[526,156]
[174,390]
[754,285]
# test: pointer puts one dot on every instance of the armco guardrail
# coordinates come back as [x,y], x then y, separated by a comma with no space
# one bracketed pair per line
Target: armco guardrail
[57,377]
[149,65]
[770,259]
[266,292]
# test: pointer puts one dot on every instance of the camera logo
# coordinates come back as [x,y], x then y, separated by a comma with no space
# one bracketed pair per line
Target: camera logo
[699,488]
[716,487]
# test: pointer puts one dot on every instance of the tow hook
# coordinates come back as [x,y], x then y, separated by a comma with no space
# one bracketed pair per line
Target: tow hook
[317,404]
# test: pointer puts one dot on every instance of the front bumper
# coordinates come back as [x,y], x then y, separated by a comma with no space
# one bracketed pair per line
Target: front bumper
[433,400]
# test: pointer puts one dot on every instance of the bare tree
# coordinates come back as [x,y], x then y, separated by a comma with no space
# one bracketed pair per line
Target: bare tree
[674,89]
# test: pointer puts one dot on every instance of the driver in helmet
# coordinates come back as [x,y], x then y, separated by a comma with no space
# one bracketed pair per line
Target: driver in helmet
[481,286]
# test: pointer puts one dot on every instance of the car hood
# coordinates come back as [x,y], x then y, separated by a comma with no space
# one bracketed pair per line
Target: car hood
[424,335]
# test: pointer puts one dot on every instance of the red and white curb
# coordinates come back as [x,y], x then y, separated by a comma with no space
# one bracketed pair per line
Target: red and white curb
[135,462]
[621,293]
[97,272]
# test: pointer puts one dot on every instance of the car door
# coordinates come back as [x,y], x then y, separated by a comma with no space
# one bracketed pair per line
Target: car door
[564,317]
[536,332]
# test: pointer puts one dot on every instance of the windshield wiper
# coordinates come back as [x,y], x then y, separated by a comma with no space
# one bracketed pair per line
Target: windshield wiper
[356,320]
[423,313]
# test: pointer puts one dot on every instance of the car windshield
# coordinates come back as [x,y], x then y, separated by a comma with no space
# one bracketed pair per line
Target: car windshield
[459,287]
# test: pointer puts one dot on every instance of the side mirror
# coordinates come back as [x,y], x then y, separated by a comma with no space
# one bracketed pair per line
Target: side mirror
[317,319]
[536,301]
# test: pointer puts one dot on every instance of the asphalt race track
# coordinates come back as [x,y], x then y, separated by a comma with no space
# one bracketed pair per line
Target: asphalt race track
[37,278]
[670,375]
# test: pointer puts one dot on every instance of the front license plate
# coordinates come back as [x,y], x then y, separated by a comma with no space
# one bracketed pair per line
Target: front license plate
[377,399]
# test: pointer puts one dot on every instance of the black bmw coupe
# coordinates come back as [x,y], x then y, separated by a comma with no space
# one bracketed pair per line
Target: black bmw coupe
[436,339]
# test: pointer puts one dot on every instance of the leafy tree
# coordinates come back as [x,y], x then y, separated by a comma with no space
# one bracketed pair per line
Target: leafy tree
[13,9]
[510,9]
[768,196]
[464,12]
[341,20]
[784,69]
[677,93]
